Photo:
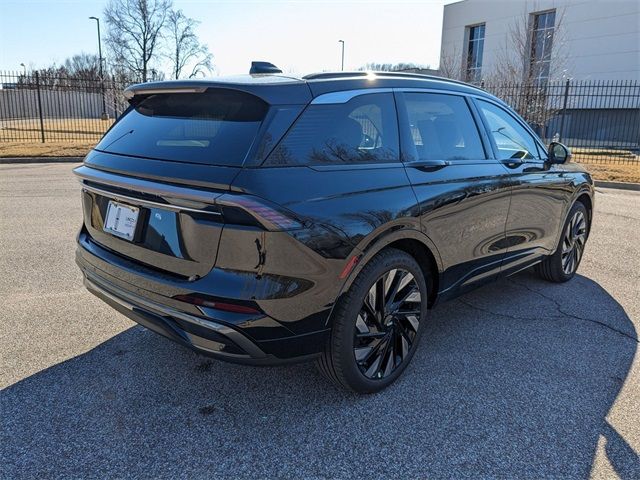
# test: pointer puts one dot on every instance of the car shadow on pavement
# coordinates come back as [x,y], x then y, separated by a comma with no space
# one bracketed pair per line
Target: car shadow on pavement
[512,380]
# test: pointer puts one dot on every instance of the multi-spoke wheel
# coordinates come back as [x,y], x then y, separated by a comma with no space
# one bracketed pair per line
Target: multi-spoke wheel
[377,324]
[575,237]
[562,265]
[387,323]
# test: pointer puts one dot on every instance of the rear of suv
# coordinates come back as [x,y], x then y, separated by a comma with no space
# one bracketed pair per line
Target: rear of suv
[265,219]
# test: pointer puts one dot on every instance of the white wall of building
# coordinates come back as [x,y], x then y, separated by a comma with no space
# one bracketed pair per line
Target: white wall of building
[600,38]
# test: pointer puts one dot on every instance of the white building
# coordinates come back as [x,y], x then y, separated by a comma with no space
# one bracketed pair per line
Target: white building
[596,39]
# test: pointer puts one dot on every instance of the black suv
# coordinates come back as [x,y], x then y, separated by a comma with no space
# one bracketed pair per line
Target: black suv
[264,219]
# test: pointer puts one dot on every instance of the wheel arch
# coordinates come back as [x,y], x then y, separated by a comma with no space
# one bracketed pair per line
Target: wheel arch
[411,241]
[585,198]
[583,195]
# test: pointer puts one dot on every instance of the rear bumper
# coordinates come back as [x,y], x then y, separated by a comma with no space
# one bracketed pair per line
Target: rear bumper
[195,330]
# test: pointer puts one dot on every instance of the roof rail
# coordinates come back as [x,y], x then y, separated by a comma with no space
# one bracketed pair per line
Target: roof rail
[422,76]
[324,75]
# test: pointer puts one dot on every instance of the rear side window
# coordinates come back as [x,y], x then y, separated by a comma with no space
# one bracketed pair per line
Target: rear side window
[363,130]
[511,138]
[215,127]
[442,127]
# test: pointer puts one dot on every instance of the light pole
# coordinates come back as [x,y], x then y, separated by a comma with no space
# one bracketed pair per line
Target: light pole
[342,64]
[25,68]
[104,105]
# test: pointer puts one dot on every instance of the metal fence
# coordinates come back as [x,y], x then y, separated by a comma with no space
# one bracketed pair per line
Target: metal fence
[37,107]
[599,120]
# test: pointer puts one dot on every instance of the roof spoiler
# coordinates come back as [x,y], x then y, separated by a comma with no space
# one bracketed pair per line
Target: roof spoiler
[155,89]
[263,67]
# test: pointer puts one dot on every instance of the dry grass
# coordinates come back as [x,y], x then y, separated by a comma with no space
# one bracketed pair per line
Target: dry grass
[589,155]
[69,129]
[49,149]
[611,172]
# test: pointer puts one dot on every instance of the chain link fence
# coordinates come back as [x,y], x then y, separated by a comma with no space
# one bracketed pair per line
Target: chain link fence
[599,120]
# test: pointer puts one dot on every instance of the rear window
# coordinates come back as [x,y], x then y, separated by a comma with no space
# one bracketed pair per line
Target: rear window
[215,127]
[363,130]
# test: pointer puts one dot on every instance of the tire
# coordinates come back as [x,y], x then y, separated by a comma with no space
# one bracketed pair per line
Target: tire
[360,328]
[562,265]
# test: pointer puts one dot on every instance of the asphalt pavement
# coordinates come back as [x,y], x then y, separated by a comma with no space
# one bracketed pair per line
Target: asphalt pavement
[519,379]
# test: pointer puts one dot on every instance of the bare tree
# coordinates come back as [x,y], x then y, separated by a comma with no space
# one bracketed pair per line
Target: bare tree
[390,67]
[451,64]
[185,50]
[528,61]
[134,34]
[516,60]
[83,65]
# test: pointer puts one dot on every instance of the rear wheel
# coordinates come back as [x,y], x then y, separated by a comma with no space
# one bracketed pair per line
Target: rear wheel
[377,324]
[562,265]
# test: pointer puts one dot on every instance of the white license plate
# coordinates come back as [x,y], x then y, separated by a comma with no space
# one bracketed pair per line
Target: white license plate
[121,220]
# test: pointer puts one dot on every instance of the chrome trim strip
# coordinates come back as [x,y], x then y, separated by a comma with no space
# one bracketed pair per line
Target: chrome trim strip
[433,90]
[130,301]
[346,95]
[125,198]
[163,190]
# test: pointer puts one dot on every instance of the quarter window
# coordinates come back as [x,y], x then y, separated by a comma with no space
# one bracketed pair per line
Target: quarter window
[363,130]
[442,127]
[475,50]
[511,138]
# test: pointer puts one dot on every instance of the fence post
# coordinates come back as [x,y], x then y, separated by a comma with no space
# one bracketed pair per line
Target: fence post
[564,109]
[39,105]
[115,100]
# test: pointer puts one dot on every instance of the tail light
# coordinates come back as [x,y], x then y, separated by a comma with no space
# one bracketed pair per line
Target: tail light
[247,209]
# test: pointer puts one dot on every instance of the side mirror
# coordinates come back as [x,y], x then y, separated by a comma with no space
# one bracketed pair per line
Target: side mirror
[559,153]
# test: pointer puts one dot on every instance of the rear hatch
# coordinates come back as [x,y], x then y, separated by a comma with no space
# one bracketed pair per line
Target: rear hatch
[151,187]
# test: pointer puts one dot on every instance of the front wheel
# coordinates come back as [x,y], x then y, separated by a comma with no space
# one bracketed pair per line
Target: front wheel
[562,265]
[377,324]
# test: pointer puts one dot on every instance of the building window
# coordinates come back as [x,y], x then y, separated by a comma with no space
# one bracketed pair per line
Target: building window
[541,45]
[474,53]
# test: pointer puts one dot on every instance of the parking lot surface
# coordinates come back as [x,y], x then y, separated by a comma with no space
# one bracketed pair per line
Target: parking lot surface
[519,379]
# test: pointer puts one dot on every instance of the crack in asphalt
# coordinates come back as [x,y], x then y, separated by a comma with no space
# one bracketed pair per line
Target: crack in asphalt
[558,306]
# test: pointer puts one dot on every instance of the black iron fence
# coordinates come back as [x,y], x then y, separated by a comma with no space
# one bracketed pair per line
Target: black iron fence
[37,107]
[599,120]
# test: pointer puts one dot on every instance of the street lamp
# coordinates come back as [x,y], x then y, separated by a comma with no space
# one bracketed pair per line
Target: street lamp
[104,105]
[342,65]
[25,68]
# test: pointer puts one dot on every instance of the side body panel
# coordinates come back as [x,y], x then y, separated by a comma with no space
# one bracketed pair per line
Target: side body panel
[463,209]
[542,193]
[463,204]
[344,208]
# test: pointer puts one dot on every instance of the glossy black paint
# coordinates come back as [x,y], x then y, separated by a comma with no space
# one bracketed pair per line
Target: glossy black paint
[467,221]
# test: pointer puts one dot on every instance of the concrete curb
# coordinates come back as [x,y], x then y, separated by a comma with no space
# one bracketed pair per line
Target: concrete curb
[10,160]
[619,185]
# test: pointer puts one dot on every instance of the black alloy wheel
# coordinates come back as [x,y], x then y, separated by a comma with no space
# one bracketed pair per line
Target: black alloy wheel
[377,324]
[387,323]
[563,263]
[573,243]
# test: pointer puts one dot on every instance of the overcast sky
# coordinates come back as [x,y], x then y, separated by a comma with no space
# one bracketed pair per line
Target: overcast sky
[298,36]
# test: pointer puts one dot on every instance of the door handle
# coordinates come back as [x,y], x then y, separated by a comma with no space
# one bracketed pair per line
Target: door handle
[428,163]
[514,162]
